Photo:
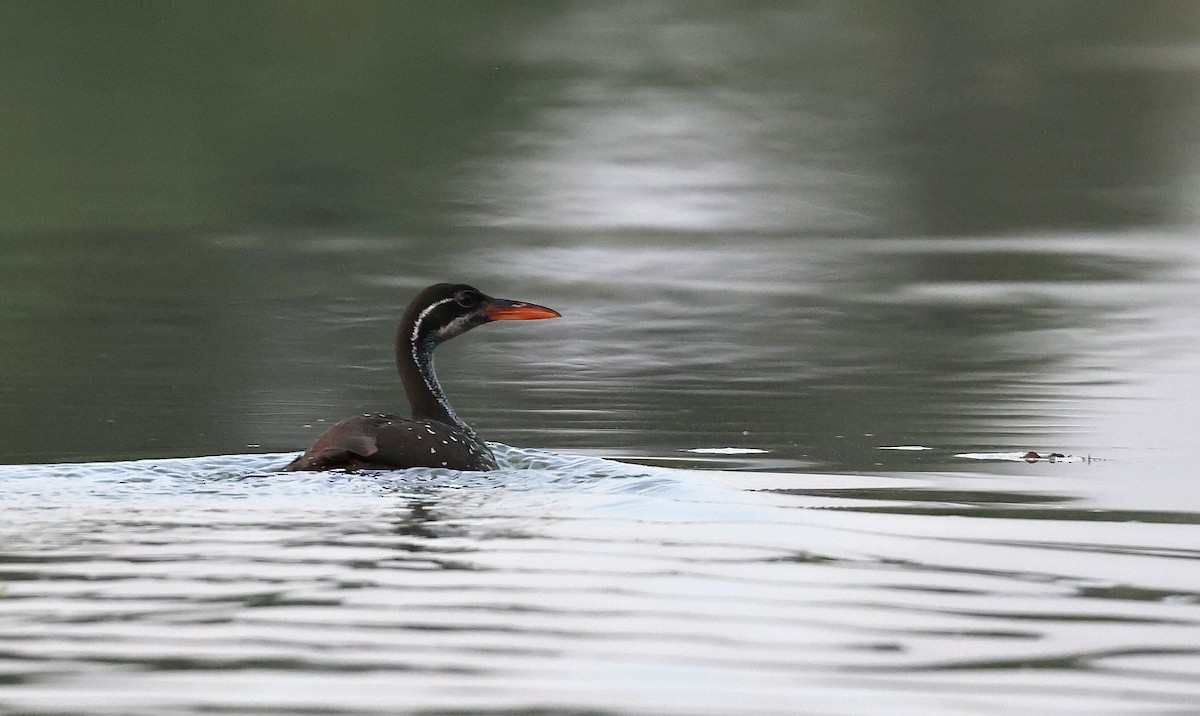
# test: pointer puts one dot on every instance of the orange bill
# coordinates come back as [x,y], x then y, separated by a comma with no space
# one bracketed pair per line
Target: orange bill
[501,309]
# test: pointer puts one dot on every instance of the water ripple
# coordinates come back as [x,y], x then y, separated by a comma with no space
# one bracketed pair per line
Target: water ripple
[218,584]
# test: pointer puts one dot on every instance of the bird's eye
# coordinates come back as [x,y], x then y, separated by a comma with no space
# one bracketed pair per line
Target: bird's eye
[466,299]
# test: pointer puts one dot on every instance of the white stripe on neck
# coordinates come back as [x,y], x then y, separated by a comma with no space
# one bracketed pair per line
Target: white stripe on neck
[426,369]
[421,317]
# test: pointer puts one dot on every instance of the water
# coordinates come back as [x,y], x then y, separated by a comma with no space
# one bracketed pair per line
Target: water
[583,585]
[828,273]
[824,574]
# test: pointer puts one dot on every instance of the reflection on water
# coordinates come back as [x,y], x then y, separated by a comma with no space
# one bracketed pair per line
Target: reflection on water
[820,352]
[664,118]
[140,586]
[830,118]
[710,583]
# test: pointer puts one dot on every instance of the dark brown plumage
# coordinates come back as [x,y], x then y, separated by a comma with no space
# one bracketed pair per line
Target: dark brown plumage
[435,436]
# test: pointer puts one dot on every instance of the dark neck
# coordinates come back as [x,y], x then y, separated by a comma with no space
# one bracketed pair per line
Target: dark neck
[425,394]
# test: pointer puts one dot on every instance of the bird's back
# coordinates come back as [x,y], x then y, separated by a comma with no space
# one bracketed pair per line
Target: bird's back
[378,441]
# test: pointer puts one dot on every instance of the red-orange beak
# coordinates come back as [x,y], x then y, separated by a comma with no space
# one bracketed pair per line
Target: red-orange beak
[501,309]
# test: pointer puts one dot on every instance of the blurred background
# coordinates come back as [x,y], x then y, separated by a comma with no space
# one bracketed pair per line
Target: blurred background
[813,228]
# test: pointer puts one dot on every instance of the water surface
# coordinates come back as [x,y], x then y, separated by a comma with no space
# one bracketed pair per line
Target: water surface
[757,546]
[579,584]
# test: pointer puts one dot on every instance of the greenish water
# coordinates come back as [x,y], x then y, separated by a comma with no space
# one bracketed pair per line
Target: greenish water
[791,243]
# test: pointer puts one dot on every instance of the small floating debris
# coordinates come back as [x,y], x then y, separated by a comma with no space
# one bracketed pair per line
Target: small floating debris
[904,447]
[727,451]
[1030,456]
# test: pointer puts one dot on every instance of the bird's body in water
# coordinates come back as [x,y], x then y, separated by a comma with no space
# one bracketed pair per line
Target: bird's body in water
[435,436]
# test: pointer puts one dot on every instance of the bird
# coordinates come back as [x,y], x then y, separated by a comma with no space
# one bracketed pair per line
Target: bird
[435,436]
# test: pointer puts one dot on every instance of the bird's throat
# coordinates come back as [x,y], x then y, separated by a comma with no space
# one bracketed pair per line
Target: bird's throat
[421,385]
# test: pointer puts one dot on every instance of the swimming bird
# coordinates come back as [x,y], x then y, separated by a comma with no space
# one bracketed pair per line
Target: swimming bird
[435,436]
